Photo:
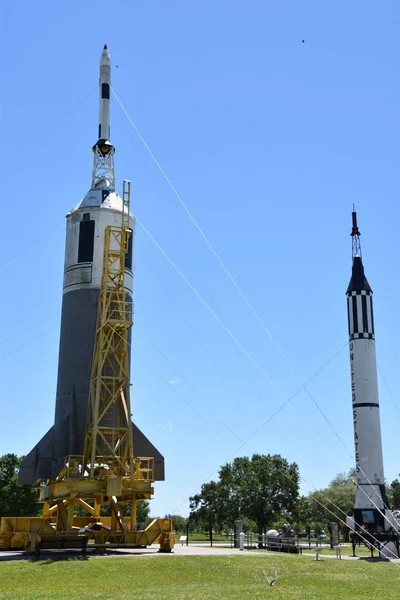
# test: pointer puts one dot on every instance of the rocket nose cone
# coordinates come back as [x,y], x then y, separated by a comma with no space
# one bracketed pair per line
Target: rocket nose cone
[105,58]
[358,280]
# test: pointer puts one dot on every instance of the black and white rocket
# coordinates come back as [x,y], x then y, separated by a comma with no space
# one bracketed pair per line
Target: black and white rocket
[371,503]
[83,268]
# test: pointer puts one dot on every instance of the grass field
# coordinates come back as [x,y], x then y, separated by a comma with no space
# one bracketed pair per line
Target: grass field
[196,578]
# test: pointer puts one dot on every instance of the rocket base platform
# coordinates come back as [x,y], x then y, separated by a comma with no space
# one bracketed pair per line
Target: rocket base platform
[381,533]
[24,533]
[72,490]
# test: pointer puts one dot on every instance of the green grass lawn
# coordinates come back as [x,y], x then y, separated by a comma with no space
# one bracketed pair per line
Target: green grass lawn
[171,577]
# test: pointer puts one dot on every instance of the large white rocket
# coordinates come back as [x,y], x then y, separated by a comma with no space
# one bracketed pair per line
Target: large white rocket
[83,267]
[371,504]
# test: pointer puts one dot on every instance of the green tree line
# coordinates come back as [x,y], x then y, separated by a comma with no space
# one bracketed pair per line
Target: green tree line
[262,491]
[23,500]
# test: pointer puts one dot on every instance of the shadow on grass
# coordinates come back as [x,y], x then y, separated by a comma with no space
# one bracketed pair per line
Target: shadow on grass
[50,560]
[373,558]
[49,557]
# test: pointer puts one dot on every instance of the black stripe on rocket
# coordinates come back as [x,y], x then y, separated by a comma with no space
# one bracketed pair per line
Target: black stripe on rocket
[360,315]
[105,90]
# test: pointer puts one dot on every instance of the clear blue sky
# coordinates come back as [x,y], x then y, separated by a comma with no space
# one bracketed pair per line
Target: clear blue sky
[269,141]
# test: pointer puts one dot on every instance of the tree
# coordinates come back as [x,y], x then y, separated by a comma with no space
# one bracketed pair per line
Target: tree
[16,500]
[142,511]
[303,514]
[394,492]
[209,508]
[264,487]
[142,514]
[178,523]
[336,501]
[260,488]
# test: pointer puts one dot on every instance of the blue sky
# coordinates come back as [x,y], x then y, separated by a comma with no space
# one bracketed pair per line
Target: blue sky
[269,141]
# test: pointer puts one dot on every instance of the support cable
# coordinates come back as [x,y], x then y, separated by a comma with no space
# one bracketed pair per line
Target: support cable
[27,158]
[29,327]
[185,379]
[175,391]
[232,391]
[365,540]
[244,297]
[228,331]
[26,343]
[50,135]
[287,401]
[228,273]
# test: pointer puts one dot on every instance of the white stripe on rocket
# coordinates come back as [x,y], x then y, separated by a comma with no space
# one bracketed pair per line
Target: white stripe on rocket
[105,77]
[350,309]
[369,316]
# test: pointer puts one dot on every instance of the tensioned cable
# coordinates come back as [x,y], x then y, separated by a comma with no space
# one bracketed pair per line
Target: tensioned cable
[366,541]
[27,158]
[208,243]
[254,362]
[210,309]
[29,327]
[284,473]
[172,388]
[228,331]
[238,400]
[46,139]
[318,502]
[199,229]
[32,243]
[288,402]
[26,343]
[197,225]
[273,415]
[185,379]
[230,277]
[232,391]
[223,266]
[387,388]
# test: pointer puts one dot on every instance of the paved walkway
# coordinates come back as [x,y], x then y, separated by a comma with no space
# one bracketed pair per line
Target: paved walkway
[179,550]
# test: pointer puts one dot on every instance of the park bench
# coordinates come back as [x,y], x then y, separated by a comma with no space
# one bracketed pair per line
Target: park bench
[283,545]
[61,542]
[183,539]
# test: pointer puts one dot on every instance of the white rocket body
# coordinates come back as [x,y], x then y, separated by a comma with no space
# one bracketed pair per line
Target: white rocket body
[371,494]
[105,89]
[85,271]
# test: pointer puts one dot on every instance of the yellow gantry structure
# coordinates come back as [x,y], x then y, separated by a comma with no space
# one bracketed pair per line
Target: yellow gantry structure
[108,441]
[108,473]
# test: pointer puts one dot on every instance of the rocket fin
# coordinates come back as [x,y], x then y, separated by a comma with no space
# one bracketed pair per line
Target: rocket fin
[143,447]
[41,463]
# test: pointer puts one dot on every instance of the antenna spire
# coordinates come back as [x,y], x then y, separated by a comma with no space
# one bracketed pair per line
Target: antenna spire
[355,234]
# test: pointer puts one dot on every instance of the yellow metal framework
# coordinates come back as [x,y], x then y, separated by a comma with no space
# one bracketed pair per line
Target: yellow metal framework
[108,441]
